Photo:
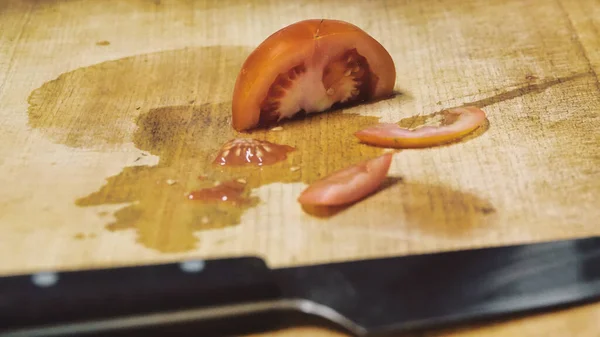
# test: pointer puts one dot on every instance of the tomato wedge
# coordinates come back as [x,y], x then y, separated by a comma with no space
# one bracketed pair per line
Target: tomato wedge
[457,123]
[349,184]
[308,67]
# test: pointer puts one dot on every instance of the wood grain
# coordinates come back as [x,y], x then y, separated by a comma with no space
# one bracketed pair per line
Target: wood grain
[76,77]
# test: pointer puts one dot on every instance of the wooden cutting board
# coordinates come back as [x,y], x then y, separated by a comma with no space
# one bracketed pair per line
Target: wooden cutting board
[110,112]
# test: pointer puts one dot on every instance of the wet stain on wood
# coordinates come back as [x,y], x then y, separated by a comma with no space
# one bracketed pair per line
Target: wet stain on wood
[434,118]
[83,236]
[532,88]
[95,107]
[438,209]
[185,137]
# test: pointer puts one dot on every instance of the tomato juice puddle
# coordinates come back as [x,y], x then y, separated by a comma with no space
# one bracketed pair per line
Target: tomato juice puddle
[197,185]
[187,136]
[231,192]
[239,152]
[153,198]
[177,106]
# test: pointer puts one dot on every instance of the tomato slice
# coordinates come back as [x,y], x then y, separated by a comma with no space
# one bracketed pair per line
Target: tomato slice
[309,66]
[349,184]
[456,123]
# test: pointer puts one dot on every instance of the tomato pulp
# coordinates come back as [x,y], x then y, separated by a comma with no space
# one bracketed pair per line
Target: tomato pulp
[307,67]
[244,151]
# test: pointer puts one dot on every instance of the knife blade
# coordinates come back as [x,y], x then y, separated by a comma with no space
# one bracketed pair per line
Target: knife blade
[369,297]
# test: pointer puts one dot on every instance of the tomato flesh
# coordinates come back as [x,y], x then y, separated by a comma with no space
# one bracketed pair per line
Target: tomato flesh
[457,123]
[245,151]
[349,184]
[308,67]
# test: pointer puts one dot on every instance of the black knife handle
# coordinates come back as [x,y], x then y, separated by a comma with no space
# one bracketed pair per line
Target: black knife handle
[28,301]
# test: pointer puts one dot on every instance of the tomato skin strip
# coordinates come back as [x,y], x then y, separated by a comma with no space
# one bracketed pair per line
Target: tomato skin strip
[349,184]
[468,119]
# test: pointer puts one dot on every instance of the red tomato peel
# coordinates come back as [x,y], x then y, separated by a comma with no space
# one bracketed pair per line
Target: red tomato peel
[458,122]
[348,185]
[308,67]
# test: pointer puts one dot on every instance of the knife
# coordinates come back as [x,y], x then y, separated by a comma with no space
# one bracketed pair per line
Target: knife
[238,295]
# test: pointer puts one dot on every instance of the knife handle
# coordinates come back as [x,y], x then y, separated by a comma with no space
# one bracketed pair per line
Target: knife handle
[64,298]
